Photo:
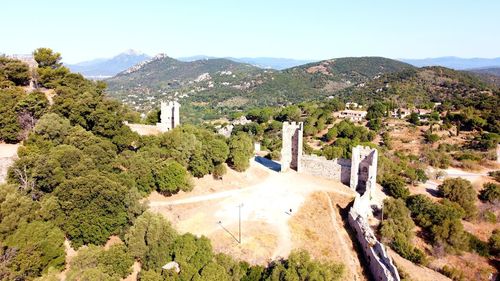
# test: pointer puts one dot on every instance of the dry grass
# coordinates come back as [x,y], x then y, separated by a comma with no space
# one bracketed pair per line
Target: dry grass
[472,265]
[319,230]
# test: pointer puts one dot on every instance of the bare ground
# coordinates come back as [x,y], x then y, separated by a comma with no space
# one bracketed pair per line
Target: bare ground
[8,153]
[273,205]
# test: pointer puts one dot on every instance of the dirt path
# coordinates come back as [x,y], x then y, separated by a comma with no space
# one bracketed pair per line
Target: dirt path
[268,203]
[8,154]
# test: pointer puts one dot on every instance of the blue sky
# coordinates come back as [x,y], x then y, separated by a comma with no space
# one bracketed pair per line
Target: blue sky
[308,29]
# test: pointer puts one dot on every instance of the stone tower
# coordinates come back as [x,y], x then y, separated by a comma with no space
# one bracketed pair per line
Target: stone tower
[363,169]
[169,117]
[291,147]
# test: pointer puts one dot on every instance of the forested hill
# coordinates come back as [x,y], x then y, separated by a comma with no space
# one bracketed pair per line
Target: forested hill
[216,86]
[426,85]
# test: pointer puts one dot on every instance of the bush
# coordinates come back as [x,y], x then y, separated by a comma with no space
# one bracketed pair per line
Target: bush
[480,247]
[495,175]
[437,158]
[36,247]
[430,137]
[494,243]
[395,187]
[490,192]
[453,273]
[170,177]
[96,263]
[219,171]
[460,191]
[240,151]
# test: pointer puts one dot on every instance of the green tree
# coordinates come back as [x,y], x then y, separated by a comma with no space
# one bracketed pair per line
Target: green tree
[150,240]
[15,210]
[396,187]
[45,57]
[94,207]
[170,177]
[240,151]
[490,192]
[460,191]
[376,110]
[494,242]
[289,113]
[414,118]
[15,71]
[39,246]
[96,263]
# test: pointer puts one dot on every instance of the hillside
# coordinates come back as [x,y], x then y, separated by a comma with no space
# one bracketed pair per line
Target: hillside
[423,86]
[489,75]
[216,86]
[104,68]
[262,62]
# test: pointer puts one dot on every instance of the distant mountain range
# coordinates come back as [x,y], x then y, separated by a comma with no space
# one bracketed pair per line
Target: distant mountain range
[455,62]
[105,68]
[262,62]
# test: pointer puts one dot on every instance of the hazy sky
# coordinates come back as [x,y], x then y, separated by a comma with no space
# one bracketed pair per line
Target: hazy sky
[306,29]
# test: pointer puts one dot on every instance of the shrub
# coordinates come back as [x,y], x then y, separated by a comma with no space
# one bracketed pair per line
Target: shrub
[453,273]
[460,191]
[219,171]
[240,151]
[430,137]
[494,243]
[170,177]
[495,175]
[395,187]
[480,247]
[490,192]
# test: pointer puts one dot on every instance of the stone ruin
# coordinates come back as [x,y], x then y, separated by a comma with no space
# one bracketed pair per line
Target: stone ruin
[360,174]
[169,119]
[363,169]
[169,116]
[291,151]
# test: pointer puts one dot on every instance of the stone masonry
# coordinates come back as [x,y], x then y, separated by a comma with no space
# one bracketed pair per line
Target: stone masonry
[363,169]
[291,150]
[169,119]
[360,173]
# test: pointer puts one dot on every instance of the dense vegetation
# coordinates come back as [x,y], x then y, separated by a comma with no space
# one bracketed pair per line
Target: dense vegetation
[216,87]
[81,174]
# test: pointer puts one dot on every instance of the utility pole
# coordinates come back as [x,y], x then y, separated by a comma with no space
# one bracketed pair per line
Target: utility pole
[239,222]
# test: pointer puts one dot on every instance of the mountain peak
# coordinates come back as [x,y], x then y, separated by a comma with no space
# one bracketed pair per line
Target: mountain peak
[132,52]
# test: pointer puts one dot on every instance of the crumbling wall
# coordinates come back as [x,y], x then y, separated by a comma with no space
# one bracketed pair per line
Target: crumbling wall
[169,119]
[363,169]
[379,262]
[363,180]
[291,147]
[337,169]
[169,116]
[144,130]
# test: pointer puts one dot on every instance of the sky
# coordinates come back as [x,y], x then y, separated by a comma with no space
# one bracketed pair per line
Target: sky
[307,29]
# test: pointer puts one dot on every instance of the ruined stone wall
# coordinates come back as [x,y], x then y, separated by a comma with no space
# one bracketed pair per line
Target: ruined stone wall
[144,130]
[379,262]
[169,116]
[363,169]
[337,169]
[363,181]
[291,147]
